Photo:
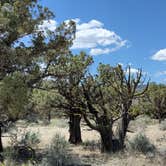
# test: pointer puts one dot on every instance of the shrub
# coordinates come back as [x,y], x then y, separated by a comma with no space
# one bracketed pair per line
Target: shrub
[23,146]
[162,125]
[91,145]
[142,144]
[12,158]
[30,138]
[58,153]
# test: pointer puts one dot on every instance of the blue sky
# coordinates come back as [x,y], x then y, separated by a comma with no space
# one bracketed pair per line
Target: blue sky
[117,31]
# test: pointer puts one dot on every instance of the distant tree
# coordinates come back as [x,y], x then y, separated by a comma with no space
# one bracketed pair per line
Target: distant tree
[109,96]
[43,99]
[154,103]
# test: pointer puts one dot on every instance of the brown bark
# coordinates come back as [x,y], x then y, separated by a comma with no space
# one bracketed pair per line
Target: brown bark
[123,126]
[105,130]
[49,116]
[75,129]
[106,140]
[1,145]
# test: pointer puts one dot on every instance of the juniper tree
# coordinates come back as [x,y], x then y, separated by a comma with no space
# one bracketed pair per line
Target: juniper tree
[69,89]
[19,19]
[154,102]
[109,96]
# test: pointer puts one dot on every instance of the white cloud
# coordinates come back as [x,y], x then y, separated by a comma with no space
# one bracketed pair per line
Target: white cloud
[129,64]
[120,64]
[161,73]
[132,70]
[160,55]
[92,35]
[91,24]
[48,25]
[99,51]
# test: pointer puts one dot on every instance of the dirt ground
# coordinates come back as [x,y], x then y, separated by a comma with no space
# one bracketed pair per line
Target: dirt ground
[94,157]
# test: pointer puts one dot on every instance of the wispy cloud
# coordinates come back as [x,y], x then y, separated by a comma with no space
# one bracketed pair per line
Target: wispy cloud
[159,55]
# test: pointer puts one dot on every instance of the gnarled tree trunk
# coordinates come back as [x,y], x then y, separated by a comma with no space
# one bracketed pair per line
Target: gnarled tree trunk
[122,129]
[106,139]
[49,116]
[75,129]
[1,146]
[108,142]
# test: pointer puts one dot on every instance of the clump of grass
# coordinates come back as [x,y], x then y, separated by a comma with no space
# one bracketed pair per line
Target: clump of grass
[58,153]
[91,144]
[30,138]
[23,145]
[141,143]
[141,122]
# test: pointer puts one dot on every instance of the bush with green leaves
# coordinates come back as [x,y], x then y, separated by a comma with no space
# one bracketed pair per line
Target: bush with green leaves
[14,96]
[30,138]
[25,138]
[58,153]
[141,143]
[13,158]
[23,146]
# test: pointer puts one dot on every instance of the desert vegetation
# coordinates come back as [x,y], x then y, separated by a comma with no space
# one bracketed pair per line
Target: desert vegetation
[55,112]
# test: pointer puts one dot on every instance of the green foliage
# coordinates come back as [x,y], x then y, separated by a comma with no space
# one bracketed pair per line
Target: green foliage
[25,138]
[141,143]
[30,138]
[69,94]
[58,153]
[15,157]
[43,99]
[18,19]
[45,102]
[113,92]
[110,96]
[23,146]
[135,110]
[154,102]
[14,95]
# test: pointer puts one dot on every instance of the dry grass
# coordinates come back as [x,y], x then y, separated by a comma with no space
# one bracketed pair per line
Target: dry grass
[94,157]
